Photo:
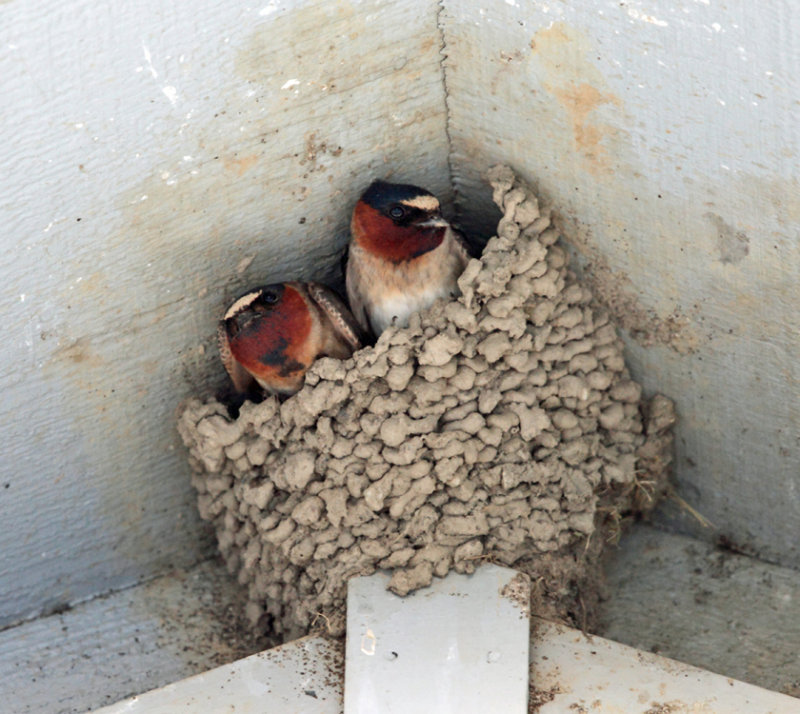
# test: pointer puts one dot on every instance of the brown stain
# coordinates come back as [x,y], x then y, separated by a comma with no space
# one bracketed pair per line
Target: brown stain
[580,89]
[784,195]
[777,197]
[579,101]
[242,165]
[149,366]
[95,284]
[78,352]
[545,40]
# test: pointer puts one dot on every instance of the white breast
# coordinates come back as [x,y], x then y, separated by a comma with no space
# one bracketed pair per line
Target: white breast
[397,308]
[408,287]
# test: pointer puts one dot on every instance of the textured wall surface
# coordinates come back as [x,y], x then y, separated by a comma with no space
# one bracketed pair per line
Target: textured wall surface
[666,134]
[156,160]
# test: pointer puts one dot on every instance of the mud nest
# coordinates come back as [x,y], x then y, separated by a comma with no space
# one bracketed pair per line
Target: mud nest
[502,425]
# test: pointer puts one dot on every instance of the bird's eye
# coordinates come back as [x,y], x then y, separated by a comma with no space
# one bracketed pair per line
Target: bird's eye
[397,212]
[269,297]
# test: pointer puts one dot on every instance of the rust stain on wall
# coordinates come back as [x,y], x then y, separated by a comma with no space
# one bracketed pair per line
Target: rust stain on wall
[429,43]
[78,352]
[240,166]
[94,285]
[580,89]
[579,101]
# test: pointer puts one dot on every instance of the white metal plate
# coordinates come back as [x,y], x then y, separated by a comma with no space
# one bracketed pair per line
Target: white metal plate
[459,646]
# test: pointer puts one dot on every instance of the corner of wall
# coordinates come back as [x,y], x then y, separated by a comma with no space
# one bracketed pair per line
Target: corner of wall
[441,18]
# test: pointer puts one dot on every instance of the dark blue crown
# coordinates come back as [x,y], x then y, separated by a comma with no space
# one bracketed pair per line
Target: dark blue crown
[382,193]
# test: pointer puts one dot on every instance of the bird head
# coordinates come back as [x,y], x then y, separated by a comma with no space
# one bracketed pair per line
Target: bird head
[267,327]
[398,221]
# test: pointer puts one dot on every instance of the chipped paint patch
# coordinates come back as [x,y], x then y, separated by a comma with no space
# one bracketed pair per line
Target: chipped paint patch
[733,245]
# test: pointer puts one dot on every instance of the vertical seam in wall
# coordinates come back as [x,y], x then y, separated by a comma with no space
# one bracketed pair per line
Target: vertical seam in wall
[443,57]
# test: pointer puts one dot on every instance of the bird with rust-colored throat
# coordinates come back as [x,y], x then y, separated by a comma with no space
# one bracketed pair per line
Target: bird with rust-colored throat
[270,336]
[402,256]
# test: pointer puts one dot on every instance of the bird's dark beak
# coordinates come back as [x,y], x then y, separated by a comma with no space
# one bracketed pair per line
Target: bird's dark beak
[434,221]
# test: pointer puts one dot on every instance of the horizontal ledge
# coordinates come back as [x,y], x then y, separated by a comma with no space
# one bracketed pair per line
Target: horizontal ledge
[569,671]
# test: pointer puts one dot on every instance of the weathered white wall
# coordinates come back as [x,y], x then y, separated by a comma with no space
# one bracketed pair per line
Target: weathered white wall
[157,158]
[667,135]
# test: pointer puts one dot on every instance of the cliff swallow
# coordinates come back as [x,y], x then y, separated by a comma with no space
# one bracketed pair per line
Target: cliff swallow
[273,334]
[402,256]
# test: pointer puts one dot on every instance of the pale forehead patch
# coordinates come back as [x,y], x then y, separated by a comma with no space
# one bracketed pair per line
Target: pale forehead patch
[424,203]
[240,304]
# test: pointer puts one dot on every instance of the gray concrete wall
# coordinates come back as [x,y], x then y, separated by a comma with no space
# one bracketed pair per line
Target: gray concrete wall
[158,158]
[666,134]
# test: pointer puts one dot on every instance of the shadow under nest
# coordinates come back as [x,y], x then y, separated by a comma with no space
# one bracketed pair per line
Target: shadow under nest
[499,426]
